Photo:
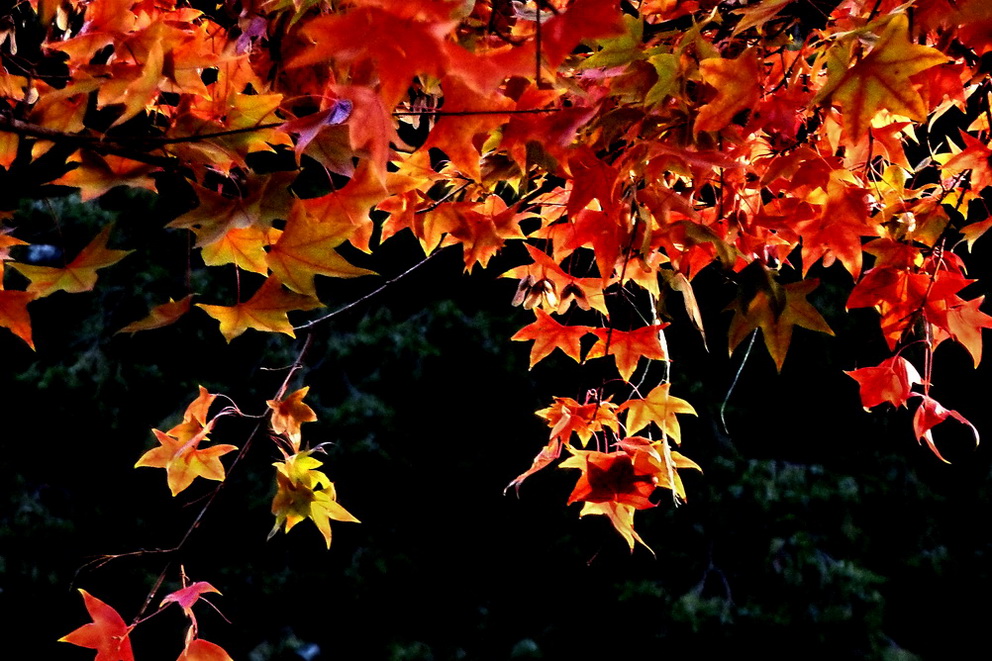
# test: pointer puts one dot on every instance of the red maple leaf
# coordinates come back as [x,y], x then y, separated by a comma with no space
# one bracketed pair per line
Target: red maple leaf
[889,381]
[930,414]
[107,633]
[627,347]
[609,477]
[549,335]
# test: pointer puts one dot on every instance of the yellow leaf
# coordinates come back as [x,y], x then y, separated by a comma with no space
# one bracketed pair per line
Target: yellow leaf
[265,311]
[79,275]
[243,247]
[305,493]
[160,315]
[880,80]
[660,408]
[306,248]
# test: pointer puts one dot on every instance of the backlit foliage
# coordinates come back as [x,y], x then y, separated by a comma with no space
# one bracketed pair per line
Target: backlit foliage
[630,145]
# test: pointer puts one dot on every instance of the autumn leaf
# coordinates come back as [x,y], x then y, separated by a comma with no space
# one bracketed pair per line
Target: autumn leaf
[548,454]
[928,415]
[889,381]
[14,313]
[566,416]
[398,47]
[654,458]
[658,407]
[584,20]
[202,650]
[621,517]
[243,247]
[965,323]
[107,633]
[549,335]
[79,275]
[186,597]
[160,315]
[189,595]
[756,15]
[265,311]
[289,413]
[217,214]
[184,461]
[194,422]
[349,205]
[609,477]
[455,136]
[976,158]
[881,79]
[628,347]
[738,85]
[179,453]
[96,174]
[544,284]
[306,248]
[776,327]
[836,233]
[305,493]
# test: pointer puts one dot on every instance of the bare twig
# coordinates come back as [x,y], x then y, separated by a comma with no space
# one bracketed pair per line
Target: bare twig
[372,293]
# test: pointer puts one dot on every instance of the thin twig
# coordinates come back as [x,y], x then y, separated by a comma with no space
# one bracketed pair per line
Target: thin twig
[372,293]
[733,384]
[463,113]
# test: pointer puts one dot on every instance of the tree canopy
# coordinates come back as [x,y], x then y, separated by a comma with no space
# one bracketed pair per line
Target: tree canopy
[656,179]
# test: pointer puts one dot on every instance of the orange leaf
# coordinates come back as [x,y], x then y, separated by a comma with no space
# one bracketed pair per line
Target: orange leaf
[351,205]
[653,458]
[243,247]
[881,79]
[195,418]
[160,315]
[289,413]
[544,284]
[566,416]
[14,313]
[265,311]
[79,275]
[975,157]
[965,323]
[548,454]
[738,85]
[306,248]
[836,233]
[455,136]
[397,48]
[107,633]
[548,335]
[183,461]
[627,347]
[202,650]
[96,174]
[776,329]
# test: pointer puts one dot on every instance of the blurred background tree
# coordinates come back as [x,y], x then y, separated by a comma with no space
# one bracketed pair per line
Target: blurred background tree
[814,528]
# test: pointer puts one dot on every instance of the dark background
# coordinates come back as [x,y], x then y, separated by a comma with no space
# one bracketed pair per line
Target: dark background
[816,528]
